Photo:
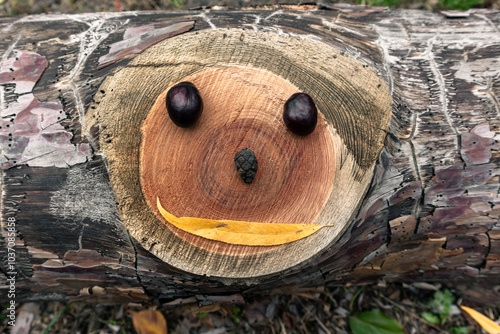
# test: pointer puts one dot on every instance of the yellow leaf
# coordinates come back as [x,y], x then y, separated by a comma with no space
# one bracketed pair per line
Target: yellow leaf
[241,232]
[149,322]
[486,323]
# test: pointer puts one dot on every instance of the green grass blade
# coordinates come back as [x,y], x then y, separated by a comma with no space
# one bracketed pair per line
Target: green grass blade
[56,318]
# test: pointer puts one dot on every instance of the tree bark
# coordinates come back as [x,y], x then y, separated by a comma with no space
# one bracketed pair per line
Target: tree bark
[426,207]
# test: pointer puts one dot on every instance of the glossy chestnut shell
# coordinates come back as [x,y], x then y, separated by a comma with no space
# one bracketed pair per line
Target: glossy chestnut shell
[184,104]
[300,114]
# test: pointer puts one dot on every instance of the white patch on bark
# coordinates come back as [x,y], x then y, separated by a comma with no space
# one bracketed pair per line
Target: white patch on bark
[385,50]
[89,40]
[27,66]
[390,40]
[490,23]
[438,76]
[376,253]
[39,155]
[40,140]
[86,194]
[280,32]
[478,71]
[413,154]
[351,50]
[80,237]
[489,91]
[3,105]
[308,36]
[483,130]
[205,17]
[11,47]
[99,29]
[84,18]
[79,104]
[481,72]
[330,25]
[278,12]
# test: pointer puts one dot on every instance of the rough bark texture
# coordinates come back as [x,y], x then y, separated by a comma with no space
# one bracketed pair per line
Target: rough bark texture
[431,212]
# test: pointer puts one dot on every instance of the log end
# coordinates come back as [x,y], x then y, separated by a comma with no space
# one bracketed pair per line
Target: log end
[192,170]
[162,173]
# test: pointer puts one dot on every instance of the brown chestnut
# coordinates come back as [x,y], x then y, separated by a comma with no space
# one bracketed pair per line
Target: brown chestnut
[300,114]
[184,104]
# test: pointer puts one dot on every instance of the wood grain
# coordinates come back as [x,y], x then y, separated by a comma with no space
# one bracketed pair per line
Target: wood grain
[192,170]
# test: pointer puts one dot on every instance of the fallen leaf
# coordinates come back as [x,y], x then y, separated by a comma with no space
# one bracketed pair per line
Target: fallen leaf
[430,318]
[241,232]
[486,323]
[374,322]
[149,322]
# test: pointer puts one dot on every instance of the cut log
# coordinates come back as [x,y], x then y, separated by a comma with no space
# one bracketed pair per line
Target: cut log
[399,180]
[312,179]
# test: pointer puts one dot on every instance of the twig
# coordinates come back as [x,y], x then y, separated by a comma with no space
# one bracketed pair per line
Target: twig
[322,325]
[282,326]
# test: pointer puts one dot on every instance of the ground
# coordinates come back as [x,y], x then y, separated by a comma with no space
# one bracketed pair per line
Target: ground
[311,311]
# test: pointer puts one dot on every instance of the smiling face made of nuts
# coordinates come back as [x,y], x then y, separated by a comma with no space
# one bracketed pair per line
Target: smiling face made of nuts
[238,156]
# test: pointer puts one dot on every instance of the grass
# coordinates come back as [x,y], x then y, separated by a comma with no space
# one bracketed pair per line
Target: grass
[56,319]
[24,7]
[428,4]
[461,4]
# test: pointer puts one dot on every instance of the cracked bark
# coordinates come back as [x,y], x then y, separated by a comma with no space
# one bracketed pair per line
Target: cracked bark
[432,211]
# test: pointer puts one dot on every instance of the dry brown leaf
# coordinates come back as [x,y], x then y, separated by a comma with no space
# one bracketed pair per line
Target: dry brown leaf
[149,322]
[486,323]
[241,232]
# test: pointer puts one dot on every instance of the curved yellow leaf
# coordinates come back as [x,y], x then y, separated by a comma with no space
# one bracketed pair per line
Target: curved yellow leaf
[241,232]
[486,323]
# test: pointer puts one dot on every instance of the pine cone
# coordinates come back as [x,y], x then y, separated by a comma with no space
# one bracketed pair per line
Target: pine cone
[246,164]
